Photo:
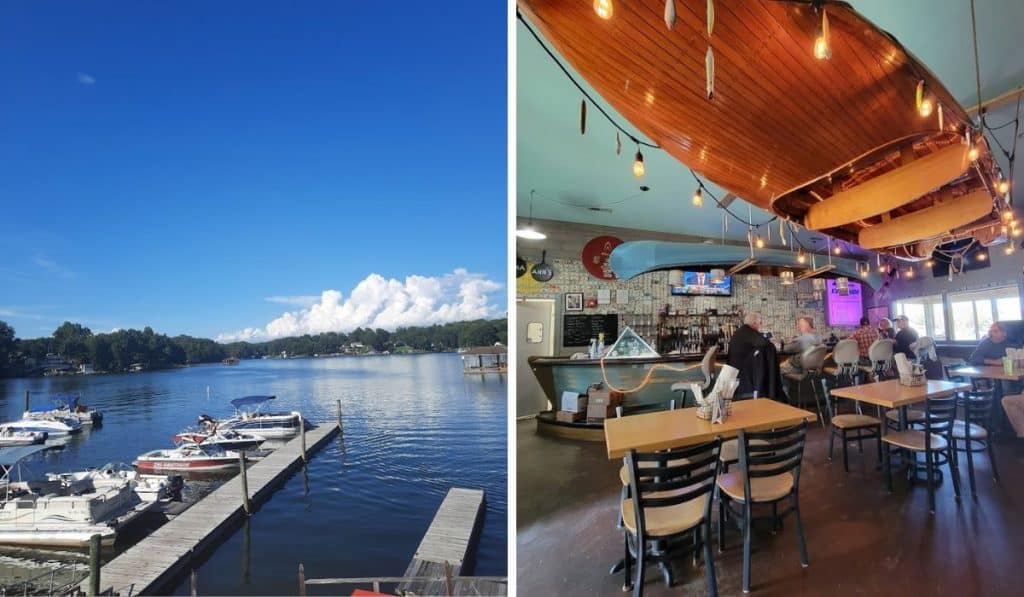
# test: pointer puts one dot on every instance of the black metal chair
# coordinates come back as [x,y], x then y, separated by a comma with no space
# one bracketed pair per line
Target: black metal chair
[935,441]
[770,473]
[670,500]
[974,430]
[812,361]
[852,426]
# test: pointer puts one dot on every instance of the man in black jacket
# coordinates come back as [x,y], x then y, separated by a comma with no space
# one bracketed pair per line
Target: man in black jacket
[760,372]
[905,338]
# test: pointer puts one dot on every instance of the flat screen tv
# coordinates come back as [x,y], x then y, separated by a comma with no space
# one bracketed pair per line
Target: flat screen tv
[700,284]
[844,309]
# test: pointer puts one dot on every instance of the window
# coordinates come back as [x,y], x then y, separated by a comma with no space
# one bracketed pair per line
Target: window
[973,312]
[925,315]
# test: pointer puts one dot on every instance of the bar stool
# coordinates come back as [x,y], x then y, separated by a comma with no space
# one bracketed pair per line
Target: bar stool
[707,368]
[880,355]
[811,362]
[846,354]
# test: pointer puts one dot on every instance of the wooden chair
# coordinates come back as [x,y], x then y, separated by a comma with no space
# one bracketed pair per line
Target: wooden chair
[974,430]
[770,474]
[669,501]
[812,361]
[854,426]
[846,354]
[935,441]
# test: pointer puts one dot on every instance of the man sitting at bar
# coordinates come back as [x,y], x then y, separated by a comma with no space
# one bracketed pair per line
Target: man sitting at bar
[885,329]
[992,348]
[805,339]
[865,337]
[905,338]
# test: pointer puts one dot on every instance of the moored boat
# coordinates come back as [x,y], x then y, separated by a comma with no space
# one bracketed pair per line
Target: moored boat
[13,437]
[52,427]
[65,510]
[226,439]
[250,418]
[67,406]
[187,458]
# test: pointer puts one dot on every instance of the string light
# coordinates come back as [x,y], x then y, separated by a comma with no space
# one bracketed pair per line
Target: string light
[1009,249]
[822,43]
[759,242]
[926,107]
[638,164]
[982,256]
[929,263]
[837,249]
[698,198]
[910,272]
[603,8]
[1007,215]
[1004,188]
[801,257]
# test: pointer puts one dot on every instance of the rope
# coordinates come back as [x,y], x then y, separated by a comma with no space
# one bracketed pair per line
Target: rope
[647,378]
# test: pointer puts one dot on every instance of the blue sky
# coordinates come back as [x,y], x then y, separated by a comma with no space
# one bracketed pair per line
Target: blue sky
[177,164]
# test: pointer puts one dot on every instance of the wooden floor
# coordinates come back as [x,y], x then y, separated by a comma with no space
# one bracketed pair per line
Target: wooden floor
[153,562]
[451,538]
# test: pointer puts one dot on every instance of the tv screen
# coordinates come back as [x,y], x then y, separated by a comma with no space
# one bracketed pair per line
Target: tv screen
[700,284]
[844,309]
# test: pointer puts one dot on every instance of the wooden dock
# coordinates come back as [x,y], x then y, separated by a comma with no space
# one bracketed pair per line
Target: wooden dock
[169,551]
[451,541]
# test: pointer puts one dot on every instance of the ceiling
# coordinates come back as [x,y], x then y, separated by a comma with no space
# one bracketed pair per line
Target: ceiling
[572,174]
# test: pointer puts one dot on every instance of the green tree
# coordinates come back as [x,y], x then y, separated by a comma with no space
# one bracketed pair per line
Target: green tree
[7,346]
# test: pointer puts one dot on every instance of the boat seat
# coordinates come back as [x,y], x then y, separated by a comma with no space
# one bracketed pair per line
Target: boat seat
[670,520]
[914,440]
[762,489]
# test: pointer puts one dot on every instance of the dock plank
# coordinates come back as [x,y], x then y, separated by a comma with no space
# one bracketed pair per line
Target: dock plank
[450,538]
[166,552]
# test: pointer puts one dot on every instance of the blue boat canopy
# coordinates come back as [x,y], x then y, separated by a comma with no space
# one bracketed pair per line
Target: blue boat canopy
[13,455]
[58,401]
[250,400]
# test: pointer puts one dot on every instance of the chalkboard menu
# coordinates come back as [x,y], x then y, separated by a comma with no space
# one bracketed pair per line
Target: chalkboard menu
[577,330]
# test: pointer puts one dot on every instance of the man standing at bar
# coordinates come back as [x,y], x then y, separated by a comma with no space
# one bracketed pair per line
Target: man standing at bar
[992,348]
[865,336]
[905,338]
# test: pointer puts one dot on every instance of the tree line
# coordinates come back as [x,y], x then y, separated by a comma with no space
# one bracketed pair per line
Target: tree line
[117,351]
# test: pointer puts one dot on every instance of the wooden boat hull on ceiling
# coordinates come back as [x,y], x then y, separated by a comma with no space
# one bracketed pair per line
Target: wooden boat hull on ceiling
[784,130]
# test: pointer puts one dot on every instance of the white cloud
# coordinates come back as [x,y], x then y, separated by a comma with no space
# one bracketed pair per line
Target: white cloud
[85,79]
[378,302]
[53,267]
[301,300]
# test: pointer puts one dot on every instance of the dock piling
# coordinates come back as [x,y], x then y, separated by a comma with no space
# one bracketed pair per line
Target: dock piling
[193,582]
[302,581]
[27,397]
[339,417]
[302,435]
[94,565]
[245,484]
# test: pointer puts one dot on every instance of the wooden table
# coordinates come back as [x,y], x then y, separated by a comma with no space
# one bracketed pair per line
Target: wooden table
[987,372]
[681,427]
[893,394]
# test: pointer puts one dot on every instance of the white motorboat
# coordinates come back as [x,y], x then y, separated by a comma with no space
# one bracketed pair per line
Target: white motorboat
[66,510]
[250,418]
[67,407]
[150,488]
[52,427]
[13,437]
[187,459]
[223,439]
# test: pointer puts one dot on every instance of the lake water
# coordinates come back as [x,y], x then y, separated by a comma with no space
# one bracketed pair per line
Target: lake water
[414,426]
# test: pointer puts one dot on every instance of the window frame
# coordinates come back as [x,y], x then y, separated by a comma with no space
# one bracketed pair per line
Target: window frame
[926,301]
[990,294]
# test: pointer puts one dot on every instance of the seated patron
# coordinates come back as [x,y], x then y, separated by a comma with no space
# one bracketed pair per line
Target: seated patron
[992,348]
[805,338]
[905,337]
[865,337]
[746,341]
[885,330]
[756,359]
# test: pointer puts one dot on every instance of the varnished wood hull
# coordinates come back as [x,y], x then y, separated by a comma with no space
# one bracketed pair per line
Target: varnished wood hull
[784,130]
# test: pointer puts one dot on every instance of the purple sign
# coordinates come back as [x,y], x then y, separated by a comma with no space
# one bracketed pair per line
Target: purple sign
[844,309]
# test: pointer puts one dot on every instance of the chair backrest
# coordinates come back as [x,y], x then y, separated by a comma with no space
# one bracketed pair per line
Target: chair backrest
[939,416]
[813,359]
[978,407]
[707,364]
[846,353]
[925,349]
[880,350]
[947,368]
[672,477]
[780,451]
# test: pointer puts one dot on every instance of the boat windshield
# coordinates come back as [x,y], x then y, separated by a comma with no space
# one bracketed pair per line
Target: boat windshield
[252,402]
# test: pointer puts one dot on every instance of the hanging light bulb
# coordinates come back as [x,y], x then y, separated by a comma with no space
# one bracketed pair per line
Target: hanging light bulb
[926,106]
[698,198]
[822,43]
[864,271]
[882,268]
[801,257]
[786,277]
[1009,249]
[929,263]
[528,231]
[638,164]
[973,153]
[759,242]
[982,256]
[1007,215]
[603,8]
[837,249]
[1003,186]
[910,272]
[1015,232]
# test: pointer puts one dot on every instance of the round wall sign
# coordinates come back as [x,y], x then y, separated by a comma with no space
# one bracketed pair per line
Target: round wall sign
[595,256]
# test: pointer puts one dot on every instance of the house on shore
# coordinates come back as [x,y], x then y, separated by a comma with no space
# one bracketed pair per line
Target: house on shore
[485,359]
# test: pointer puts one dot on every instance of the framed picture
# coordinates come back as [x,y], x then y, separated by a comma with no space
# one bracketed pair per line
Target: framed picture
[573,301]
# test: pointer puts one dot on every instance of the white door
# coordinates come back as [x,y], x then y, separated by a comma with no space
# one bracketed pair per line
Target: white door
[535,336]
